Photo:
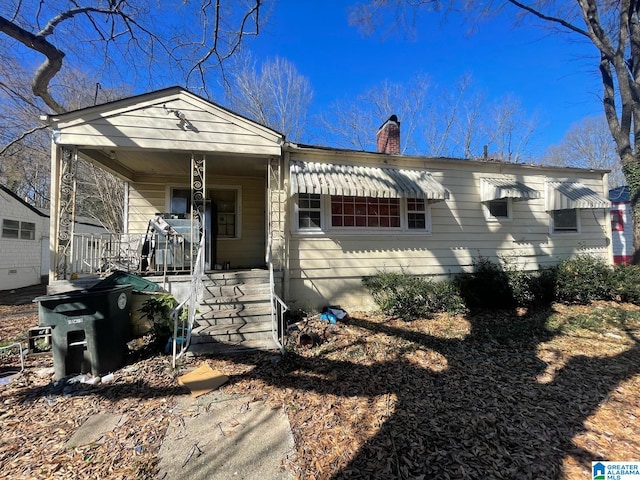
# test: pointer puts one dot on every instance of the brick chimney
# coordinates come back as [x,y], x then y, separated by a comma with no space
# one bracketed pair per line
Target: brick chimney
[388,136]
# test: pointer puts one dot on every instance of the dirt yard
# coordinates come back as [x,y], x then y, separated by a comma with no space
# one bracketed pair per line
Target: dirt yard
[490,396]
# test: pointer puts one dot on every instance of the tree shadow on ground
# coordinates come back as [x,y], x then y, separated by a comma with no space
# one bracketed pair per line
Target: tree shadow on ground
[485,415]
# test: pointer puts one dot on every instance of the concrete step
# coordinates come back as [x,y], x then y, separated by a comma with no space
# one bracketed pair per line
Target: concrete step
[235,278]
[233,314]
[240,289]
[231,333]
[237,299]
[232,348]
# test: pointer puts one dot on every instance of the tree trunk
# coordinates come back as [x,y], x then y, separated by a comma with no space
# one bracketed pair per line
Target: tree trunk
[631,169]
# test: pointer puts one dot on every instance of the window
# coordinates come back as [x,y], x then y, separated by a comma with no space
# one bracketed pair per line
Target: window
[11,229]
[16,229]
[180,201]
[27,231]
[617,222]
[309,211]
[226,202]
[565,221]
[361,213]
[416,214]
[365,212]
[498,209]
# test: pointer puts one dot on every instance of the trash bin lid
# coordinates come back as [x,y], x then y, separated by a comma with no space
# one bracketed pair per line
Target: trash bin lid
[76,294]
[139,284]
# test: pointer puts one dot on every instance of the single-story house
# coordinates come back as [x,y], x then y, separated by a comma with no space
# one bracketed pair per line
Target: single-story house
[621,225]
[25,258]
[318,219]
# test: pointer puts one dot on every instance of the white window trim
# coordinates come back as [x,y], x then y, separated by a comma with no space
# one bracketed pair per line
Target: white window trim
[553,231]
[308,231]
[490,218]
[326,228]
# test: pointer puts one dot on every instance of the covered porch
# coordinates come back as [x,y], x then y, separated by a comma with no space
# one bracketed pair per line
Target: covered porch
[203,195]
[191,169]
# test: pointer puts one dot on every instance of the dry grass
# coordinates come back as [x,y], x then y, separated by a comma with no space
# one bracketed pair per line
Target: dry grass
[490,396]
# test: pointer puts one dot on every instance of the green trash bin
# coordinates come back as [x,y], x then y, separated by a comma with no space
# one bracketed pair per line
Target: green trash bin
[89,328]
[143,290]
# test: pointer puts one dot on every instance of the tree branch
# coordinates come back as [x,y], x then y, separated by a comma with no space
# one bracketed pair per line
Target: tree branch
[21,137]
[61,17]
[12,91]
[214,49]
[542,16]
[47,70]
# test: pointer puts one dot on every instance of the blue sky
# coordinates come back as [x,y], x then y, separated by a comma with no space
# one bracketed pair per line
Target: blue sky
[553,76]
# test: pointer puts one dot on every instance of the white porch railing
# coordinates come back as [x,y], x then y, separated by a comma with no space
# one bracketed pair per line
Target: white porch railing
[152,253]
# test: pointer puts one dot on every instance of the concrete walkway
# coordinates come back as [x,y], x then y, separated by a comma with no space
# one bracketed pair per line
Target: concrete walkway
[214,436]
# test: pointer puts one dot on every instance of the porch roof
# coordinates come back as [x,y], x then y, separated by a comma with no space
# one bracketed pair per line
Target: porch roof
[145,137]
[364,181]
[497,188]
[569,195]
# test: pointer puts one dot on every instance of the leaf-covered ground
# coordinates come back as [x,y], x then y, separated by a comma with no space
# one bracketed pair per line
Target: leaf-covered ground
[505,395]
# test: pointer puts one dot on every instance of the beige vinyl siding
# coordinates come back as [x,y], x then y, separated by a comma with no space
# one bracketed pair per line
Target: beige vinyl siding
[327,268]
[152,125]
[145,201]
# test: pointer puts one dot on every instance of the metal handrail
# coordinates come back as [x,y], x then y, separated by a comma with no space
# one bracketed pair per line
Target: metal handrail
[195,294]
[278,306]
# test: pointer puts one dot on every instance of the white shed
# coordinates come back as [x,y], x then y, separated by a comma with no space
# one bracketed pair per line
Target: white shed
[24,243]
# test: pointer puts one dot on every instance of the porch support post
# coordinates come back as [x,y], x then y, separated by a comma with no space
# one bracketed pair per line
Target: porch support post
[198,197]
[276,212]
[65,214]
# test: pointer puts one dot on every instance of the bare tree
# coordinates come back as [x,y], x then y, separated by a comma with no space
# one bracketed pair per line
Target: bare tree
[276,96]
[25,158]
[122,42]
[612,27]
[588,144]
[510,128]
[122,37]
[436,121]
[352,122]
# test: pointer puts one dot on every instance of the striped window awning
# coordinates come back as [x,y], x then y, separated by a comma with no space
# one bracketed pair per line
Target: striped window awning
[498,188]
[570,195]
[361,181]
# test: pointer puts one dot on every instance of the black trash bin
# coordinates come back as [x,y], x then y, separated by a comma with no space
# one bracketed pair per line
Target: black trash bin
[89,328]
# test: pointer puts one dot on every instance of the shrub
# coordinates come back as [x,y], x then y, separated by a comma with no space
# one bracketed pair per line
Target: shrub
[542,286]
[626,283]
[487,287]
[446,298]
[410,296]
[503,285]
[157,309]
[583,279]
